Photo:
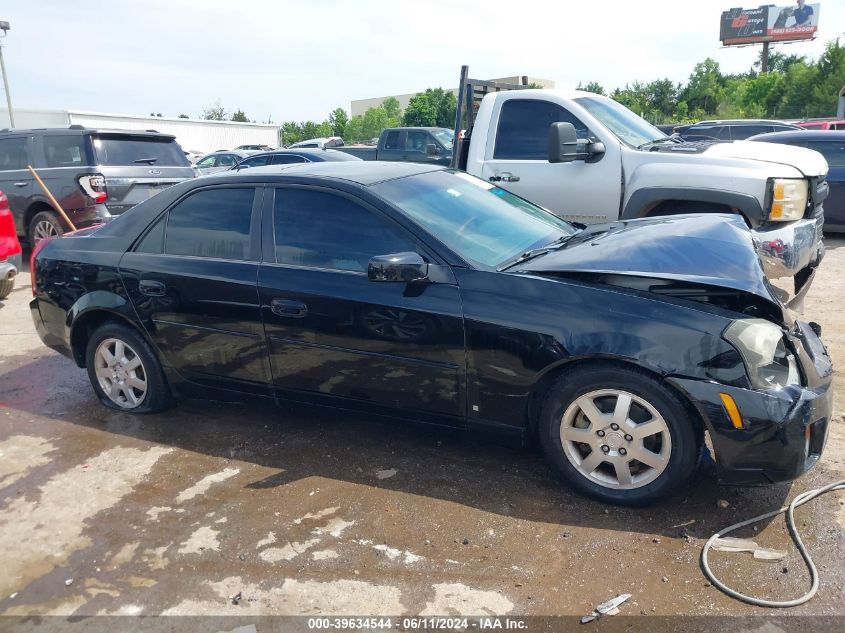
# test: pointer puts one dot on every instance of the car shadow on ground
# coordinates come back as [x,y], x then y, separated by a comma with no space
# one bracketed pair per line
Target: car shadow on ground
[304,442]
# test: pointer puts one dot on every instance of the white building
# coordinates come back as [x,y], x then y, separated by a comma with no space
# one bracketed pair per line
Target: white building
[192,134]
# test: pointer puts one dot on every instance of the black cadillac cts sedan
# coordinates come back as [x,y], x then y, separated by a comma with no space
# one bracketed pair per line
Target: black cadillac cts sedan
[425,294]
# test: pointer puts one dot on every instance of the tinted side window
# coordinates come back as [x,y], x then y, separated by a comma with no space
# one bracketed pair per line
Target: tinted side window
[833,151]
[206,162]
[742,132]
[13,153]
[392,140]
[323,230]
[226,160]
[64,151]
[287,159]
[153,241]
[256,161]
[523,131]
[723,134]
[416,141]
[211,223]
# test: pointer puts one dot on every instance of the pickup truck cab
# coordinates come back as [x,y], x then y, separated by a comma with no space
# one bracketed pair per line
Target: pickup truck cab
[589,159]
[432,145]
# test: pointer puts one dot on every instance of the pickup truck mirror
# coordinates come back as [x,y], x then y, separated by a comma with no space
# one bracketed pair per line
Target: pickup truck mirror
[563,143]
[402,267]
[431,150]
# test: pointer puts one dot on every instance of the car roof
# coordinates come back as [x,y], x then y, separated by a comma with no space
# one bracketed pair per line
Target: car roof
[801,135]
[743,122]
[82,130]
[303,151]
[361,172]
[243,153]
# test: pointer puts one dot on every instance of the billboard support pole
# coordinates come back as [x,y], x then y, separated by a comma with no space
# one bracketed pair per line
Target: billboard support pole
[764,61]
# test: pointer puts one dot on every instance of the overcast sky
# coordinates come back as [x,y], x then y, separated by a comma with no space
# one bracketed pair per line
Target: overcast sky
[299,59]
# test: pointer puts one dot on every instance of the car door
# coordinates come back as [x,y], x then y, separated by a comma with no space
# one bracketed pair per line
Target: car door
[394,146]
[415,142]
[15,179]
[834,205]
[193,281]
[335,335]
[516,159]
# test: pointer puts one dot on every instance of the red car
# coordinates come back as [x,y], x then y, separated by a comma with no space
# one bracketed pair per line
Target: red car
[10,248]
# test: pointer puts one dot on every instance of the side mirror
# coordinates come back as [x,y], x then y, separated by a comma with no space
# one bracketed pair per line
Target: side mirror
[563,143]
[431,150]
[402,267]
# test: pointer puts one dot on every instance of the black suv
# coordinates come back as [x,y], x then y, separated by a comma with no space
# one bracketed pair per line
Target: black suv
[730,130]
[94,174]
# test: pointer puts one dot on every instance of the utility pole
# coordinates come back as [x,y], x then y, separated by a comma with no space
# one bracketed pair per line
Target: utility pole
[4,26]
[764,60]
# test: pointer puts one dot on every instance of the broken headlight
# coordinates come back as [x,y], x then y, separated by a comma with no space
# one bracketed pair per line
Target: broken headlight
[769,362]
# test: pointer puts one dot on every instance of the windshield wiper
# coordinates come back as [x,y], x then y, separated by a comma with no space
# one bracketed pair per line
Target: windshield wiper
[658,141]
[149,161]
[536,252]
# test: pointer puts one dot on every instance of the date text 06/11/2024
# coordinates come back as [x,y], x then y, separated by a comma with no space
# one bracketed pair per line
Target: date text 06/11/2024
[417,623]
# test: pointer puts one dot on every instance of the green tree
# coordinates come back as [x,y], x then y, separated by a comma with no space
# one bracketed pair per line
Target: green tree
[292,132]
[434,107]
[393,111]
[373,122]
[354,130]
[704,90]
[183,116]
[215,112]
[338,119]
[592,86]
[240,116]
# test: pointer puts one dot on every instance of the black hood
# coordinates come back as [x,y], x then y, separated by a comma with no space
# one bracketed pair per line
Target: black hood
[709,250]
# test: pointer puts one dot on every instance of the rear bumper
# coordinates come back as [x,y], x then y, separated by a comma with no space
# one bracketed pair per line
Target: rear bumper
[784,430]
[11,266]
[50,331]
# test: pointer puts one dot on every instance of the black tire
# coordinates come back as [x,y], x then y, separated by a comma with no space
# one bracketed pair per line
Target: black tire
[156,396]
[683,445]
[50,218]
[6,286]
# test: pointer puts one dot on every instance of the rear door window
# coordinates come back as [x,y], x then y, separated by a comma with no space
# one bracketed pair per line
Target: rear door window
[65,151]
[255,161]
[523,132]
[127,150]
[392,140]
[211,223]
[14,153]
[288,159]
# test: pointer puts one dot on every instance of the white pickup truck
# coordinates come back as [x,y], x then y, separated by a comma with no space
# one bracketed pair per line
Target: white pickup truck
[589,159]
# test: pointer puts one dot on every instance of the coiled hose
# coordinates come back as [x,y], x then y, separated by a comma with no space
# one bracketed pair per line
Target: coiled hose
[804,497]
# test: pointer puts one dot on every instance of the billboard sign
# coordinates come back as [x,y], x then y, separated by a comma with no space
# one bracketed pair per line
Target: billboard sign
[769,23]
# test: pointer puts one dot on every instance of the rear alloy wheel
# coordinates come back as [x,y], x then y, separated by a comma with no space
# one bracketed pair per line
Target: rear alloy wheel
[124,370]
[44,224]
[618,435]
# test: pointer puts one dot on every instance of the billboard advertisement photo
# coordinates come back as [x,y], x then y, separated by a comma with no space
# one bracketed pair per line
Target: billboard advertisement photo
[771,23]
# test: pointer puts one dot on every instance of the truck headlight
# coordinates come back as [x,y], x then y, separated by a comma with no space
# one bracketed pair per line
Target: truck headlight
[789,199]
[768,361]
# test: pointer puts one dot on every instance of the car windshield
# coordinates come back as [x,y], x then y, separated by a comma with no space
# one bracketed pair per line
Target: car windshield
[625,125]
[484,224]
[121,149]
[445,137]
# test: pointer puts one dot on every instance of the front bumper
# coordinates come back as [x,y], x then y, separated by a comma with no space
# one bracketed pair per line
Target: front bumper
[784,430]
[793,249]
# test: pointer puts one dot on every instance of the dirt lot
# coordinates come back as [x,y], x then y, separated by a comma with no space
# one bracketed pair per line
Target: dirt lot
[313,512]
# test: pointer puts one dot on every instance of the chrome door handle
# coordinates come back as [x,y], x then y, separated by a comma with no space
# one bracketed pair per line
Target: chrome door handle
[21,184]
[152,288]
[508,177]
[288,308]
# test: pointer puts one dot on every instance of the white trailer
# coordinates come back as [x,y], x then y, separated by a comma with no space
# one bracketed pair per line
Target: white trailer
[197,135]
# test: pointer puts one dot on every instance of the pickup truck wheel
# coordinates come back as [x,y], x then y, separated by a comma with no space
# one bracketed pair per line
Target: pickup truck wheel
[124,371]
[44,224]
[618,435]
[6,286]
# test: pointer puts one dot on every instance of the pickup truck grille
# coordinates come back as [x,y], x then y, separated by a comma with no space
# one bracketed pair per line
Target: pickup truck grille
[818,192]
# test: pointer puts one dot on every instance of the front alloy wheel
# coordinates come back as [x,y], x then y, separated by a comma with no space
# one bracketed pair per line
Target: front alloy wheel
[619,434]
[615,439]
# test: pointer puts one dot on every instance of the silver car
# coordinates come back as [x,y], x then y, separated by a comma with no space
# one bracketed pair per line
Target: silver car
[221,160]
